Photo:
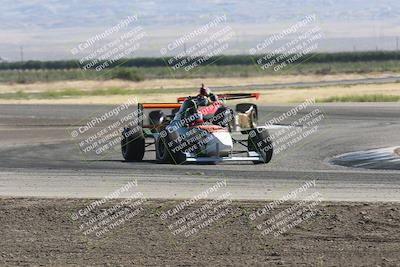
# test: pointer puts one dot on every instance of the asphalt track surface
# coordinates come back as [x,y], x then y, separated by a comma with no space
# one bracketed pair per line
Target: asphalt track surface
[39,158]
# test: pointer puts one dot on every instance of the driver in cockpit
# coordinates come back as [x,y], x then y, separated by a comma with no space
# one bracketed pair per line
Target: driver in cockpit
[205,97]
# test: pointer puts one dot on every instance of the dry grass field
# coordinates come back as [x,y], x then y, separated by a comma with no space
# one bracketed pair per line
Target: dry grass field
[167,90]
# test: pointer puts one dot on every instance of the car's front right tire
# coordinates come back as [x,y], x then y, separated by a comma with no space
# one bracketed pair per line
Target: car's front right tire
[133,144]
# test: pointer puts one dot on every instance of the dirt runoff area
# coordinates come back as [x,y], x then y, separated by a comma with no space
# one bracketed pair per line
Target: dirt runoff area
[54,232]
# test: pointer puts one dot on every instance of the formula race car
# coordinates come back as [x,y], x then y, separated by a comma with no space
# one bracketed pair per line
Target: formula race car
[193,133]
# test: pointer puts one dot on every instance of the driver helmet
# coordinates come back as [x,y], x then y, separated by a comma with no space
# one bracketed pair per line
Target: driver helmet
[204,91]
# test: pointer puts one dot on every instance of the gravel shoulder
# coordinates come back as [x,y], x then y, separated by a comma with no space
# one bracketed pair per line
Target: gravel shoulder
[41,232]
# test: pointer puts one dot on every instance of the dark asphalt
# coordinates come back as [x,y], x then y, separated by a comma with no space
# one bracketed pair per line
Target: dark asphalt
[39,157]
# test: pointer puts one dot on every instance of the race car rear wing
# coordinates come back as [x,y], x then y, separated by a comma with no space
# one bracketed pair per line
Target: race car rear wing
[142,106]
[229,96]
[159,105]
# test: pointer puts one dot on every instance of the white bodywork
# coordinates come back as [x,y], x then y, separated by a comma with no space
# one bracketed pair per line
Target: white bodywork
[219,145]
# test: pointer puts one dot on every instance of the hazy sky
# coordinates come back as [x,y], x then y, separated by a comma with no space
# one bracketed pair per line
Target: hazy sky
[50,29]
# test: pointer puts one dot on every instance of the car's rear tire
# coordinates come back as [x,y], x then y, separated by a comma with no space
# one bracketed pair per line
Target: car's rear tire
[244,107]
[260,142]
[168,150]
[156,117]
[133,144]
[252,110]
[253,118]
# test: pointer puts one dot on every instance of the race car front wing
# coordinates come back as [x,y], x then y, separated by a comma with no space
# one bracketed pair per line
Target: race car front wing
[251,156]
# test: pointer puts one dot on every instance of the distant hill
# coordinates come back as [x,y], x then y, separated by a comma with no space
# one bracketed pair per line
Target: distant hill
[48,29]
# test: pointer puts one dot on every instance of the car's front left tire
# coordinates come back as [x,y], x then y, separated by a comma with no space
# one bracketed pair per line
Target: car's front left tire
[168,149]
[260,142]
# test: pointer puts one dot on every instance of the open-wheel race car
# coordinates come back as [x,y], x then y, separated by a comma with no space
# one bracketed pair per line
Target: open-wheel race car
[187,132]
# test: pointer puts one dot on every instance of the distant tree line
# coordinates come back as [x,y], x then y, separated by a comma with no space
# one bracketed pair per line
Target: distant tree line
[221,60]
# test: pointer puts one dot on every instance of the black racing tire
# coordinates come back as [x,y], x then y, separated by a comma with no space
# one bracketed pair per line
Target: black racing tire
[156,117]
[253,119]
[253,116]
[133,144]
[162,153]
[244,107]
[168,150]
[260,141]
